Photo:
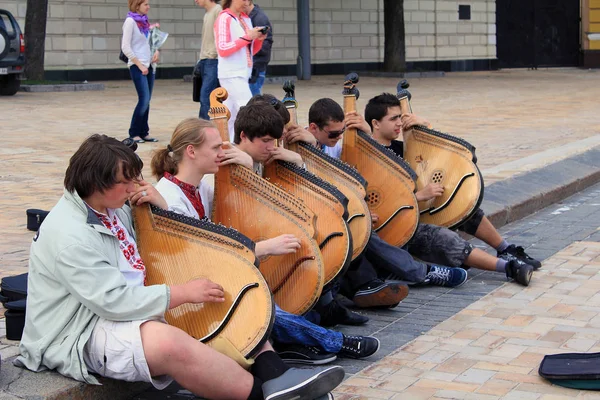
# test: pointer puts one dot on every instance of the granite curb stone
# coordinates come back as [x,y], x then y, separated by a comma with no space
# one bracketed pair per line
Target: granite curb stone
[67,87]
[526,194]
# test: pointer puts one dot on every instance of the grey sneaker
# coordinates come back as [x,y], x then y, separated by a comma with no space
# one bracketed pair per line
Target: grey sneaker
[328,396]
[303,384]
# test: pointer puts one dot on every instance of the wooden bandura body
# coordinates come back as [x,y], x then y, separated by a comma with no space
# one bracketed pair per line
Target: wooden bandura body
[177,249]
[437,157]
[261,210]
[329,206]
[391,187]
[339,174]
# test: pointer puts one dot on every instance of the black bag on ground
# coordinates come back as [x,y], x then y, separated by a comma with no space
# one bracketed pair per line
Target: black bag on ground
[15,319]
[13,295]
[13,288]
[197,82]
[572,370]
[35,218]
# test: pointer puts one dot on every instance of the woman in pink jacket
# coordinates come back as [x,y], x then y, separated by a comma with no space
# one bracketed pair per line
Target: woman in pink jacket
[237,41]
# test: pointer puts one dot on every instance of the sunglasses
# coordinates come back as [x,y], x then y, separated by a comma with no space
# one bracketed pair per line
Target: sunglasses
[334,134]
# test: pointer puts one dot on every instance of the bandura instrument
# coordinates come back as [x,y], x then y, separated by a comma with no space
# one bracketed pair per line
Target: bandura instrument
[341,175]
[177,249]
[261,210]
[437,157]
[329,206]
[390,192]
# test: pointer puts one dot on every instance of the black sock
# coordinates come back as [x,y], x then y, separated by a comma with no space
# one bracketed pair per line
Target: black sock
[268,366]
[256,393]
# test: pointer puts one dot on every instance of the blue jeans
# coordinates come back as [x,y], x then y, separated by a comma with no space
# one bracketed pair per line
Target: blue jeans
[143,86]
[210,82]
[295,329]
[256,87]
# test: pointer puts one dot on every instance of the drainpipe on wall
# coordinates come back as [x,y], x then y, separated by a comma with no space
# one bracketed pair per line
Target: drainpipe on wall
[303,62]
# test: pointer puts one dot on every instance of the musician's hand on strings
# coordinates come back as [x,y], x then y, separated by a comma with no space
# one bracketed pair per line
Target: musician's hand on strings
[296,133]
[279,153]
[356,121]
[283,244]
[196,291]
[429,192]
[146,193]
[410,120]
[233,155]
[374,218]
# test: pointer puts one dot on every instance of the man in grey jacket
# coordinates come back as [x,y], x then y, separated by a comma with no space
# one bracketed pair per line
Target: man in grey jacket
[262,58]
[89,310]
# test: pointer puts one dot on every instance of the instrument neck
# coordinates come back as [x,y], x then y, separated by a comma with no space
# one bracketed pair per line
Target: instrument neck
[221,122]
[293,110]
[405,107]
[349,106]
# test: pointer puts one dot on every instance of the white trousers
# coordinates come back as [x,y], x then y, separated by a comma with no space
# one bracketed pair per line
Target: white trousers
[239,94]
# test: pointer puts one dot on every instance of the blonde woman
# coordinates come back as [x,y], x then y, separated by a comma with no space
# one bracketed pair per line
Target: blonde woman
[142,66]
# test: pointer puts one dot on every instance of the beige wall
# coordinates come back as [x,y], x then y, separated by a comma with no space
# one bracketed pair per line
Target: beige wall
[86,33]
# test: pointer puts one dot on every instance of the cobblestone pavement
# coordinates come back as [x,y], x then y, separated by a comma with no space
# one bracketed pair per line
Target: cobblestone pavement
[508,115]
[485,339]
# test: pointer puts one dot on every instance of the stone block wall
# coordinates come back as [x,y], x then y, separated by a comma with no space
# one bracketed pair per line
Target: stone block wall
[87,33]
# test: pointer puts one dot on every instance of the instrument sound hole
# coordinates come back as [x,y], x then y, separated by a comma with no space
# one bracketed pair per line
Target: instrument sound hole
[373,198]
[438,177]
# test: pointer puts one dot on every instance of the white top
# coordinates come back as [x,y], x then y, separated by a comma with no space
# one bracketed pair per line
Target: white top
[133,276]
[179,203]
[233,63]
[135,44]
[335,151]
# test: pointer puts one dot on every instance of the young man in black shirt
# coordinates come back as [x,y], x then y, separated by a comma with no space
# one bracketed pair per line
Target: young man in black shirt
[383,116]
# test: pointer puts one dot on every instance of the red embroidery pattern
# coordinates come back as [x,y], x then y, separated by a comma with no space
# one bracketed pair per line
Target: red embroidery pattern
[191,192]
[128,248]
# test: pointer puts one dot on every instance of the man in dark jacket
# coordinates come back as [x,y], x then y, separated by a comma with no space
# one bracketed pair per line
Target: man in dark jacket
[262,58]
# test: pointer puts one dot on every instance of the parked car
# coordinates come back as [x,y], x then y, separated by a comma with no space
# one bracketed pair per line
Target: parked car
[12,54]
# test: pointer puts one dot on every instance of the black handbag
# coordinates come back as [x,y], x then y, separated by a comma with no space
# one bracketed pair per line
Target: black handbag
[197,82]
[35,218]
[123,57]
[13,295]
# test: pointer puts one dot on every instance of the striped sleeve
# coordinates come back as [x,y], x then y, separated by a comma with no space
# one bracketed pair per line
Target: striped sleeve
[225,46]
[256,46]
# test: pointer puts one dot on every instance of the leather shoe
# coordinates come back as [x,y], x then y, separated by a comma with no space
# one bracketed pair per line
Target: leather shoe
[334,313]
[378,293]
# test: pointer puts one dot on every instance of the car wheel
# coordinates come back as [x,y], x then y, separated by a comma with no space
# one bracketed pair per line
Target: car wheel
[9,84]
[4,43]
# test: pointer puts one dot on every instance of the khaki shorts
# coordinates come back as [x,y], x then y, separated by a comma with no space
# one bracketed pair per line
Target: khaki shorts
[115,351]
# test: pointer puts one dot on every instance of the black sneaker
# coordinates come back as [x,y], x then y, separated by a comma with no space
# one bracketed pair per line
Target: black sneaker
[296,383]
[378,293]
[335,313]
[518,252]
[446,276]
[519,271]
[359,346]
[300,354]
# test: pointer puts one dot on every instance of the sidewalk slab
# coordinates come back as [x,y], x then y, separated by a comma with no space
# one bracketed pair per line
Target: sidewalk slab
[492,349]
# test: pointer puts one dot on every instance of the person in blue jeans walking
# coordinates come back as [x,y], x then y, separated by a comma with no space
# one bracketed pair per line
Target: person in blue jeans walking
[262,58]
[208,54]
[196,149]
[142,66]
